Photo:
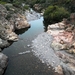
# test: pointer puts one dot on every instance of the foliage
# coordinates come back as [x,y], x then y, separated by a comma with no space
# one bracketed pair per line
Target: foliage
[57,10]
[8,16]
[7,0]
[1,2]
[25,7]
[55,14]
[68,4]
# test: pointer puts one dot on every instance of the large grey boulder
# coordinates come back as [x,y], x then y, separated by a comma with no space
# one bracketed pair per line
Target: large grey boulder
[5,26]
[4,43]
[3,62]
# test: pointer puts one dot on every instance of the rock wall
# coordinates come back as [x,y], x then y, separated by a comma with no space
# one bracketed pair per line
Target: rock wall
[64,44]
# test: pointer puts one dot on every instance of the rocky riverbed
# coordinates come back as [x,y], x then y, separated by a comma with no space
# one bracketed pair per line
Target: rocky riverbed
[9,22]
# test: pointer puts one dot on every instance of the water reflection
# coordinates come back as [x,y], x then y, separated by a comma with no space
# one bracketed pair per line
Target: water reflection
[21,31]
[45,25]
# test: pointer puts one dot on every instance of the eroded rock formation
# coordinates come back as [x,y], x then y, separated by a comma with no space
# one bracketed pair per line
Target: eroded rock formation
[9,22]
[64,44]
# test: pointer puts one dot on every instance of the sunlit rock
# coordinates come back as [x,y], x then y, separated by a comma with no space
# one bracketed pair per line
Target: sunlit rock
[12,37]
[21,22]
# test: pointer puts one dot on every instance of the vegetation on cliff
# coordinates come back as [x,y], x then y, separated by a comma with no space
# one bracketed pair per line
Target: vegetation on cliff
[55,14]
[55,10]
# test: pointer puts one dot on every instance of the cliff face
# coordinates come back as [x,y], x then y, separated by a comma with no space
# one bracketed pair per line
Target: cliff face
[9,22]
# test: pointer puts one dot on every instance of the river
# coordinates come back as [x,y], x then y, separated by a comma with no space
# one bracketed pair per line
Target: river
[22,60]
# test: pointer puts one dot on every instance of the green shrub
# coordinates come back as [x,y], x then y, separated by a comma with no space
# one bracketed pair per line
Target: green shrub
[17,4]
[26,7]
[8,8]
[1,2]
[55,14]
[8,16]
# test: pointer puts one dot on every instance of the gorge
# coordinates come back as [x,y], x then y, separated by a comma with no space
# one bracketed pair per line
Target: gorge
[35,53]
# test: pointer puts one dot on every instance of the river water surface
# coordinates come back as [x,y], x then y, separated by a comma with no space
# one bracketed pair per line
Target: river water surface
[22,60]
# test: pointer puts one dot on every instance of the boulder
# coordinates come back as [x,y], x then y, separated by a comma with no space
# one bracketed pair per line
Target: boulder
[58,46]
[21,22]
[3,62]
[4,43]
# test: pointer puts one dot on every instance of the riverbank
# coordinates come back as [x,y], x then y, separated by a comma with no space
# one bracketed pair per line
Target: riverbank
[56,47]
[64,44]
[9,22]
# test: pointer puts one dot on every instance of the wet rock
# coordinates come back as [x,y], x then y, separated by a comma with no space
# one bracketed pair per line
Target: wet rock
[3,62]
[4,43]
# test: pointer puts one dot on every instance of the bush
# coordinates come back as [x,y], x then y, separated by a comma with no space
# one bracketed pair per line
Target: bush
[1,2]
[55,14]
[26,7]
[17,4]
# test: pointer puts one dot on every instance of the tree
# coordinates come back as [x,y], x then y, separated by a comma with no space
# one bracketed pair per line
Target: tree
[55,14]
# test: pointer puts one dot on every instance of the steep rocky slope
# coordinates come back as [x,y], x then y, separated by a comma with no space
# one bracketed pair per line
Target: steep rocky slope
[9,22]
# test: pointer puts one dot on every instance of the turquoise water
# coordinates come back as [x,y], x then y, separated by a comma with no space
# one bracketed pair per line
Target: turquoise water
[21,58]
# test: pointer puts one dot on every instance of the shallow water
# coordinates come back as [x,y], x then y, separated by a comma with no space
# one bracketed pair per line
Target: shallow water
[42,49]
[22,58]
